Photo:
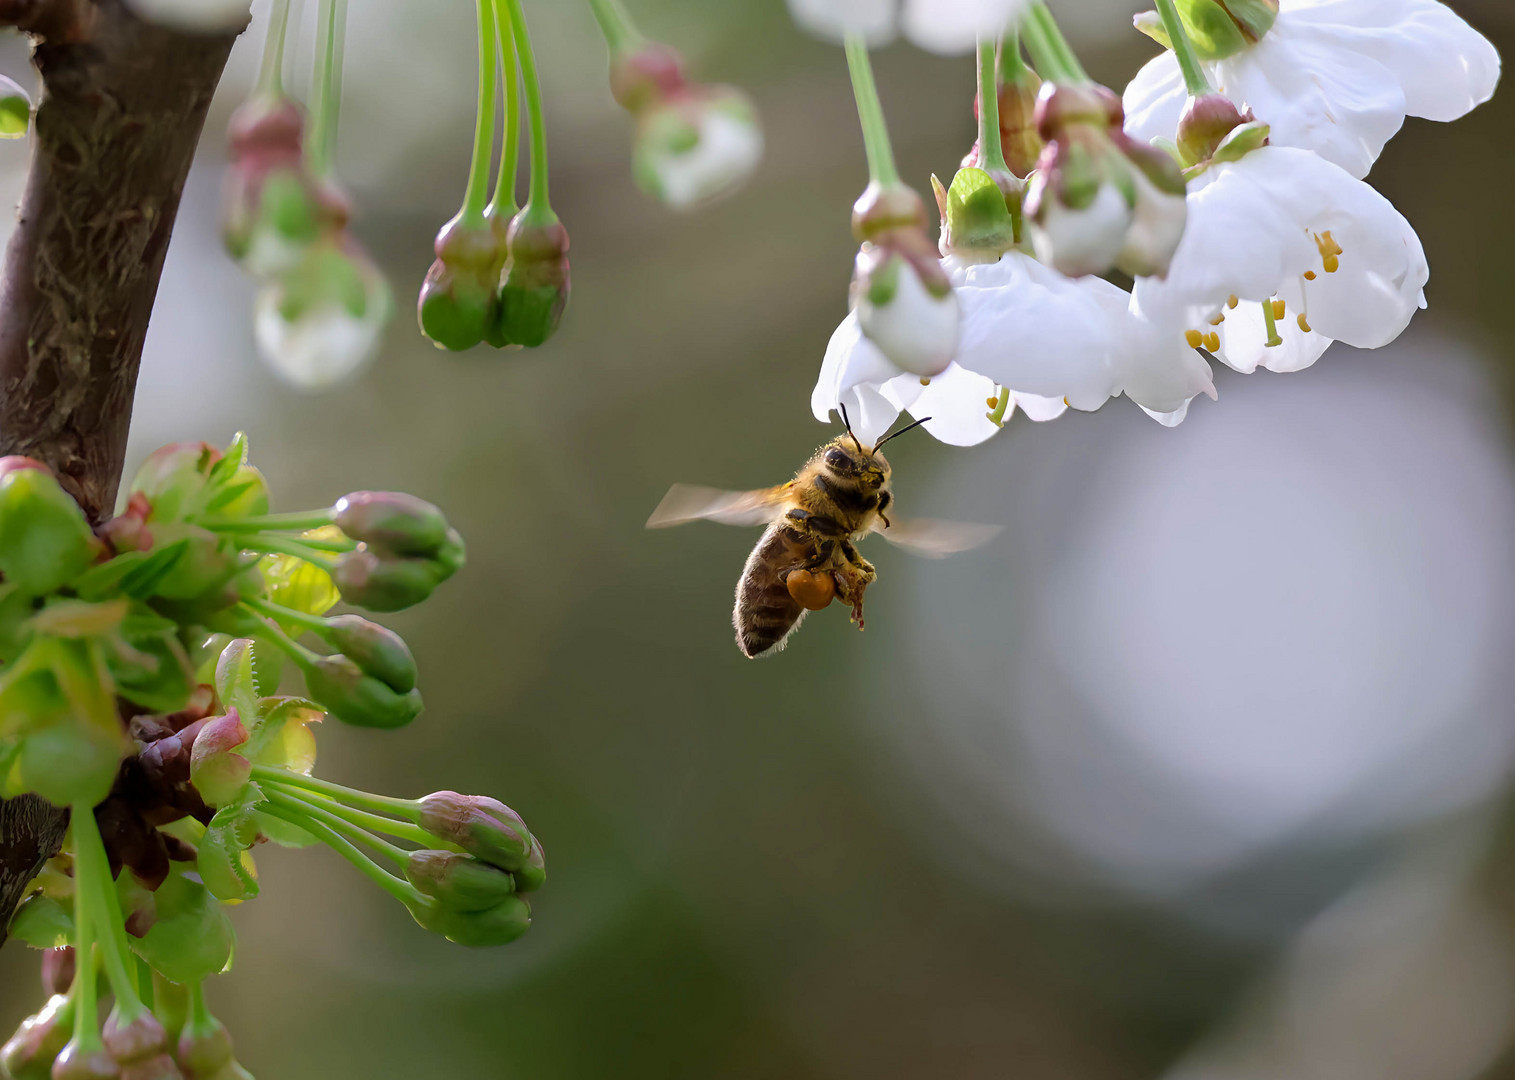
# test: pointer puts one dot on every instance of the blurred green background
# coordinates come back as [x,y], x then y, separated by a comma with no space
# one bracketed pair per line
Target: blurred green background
[776,869]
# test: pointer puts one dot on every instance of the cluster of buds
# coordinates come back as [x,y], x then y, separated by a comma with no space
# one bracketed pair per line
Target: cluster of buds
[694,142]
[1100,200]
[322,302]
[903,299]
[140,687]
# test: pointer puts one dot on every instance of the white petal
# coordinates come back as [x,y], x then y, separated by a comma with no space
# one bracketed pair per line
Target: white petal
[852,372]
[1029,328]
[728,149]
[1244,341]
[1444,67]
[956,401]
[1157,227]
[196,16]
[952,26]
[1036,408]
[1159,370]
[915,330]
[1155,99]
[326,345]
[1084,241]
[834,19]
[1341,104]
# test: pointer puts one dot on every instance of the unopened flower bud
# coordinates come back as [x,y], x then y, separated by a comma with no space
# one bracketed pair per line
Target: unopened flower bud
[534,284]
[204,1048]
[904,302]
[57,970]
[458,880]
[15,110]
[881,210]
[323,319]
[75,1063]
[45,539]
[498,925]
[215,768]
[173,476]
[378,584]
[29,1053]
[136,1042]
[483,827]
[377,650]
[532,874]
[392,522]
[342,688]
[1204,123]
[457,298]
[1020,142]
[68,763]
[646,75]
[696,145]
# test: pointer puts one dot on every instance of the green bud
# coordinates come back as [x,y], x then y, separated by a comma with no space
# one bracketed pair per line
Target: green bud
[29,1053]
[393,523]
[457,880]
[534,285]
[498,925]
[45,539]
[367,581]
[456,304]
[204,1047]
[483,827]
[342,688]
[533,874]
[215,768]
[173,477]
[377,650]
[67,763]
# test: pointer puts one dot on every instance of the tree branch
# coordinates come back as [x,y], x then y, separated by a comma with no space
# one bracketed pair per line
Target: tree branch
[123,105]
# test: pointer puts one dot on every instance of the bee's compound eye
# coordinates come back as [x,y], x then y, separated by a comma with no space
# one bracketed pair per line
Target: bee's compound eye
[812,591]
[838,459]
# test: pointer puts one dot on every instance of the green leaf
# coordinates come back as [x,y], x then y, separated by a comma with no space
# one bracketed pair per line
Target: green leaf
[142,580]
[43,923]
[225,865]
[192,937]
[237,680]
[283,739]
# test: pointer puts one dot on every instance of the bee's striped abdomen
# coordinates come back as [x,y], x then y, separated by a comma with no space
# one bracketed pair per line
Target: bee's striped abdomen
[765,613]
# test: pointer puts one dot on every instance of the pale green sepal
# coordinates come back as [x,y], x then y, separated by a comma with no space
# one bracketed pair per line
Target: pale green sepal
[1241,142]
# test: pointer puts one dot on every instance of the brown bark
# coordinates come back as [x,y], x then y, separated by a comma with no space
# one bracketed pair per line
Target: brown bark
[123,105]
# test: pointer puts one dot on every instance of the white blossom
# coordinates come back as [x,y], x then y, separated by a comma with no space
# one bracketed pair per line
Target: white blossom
[695,149]
[1335,76]
[1331,256]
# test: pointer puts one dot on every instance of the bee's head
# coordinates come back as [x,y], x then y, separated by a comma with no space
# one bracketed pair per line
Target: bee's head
[847,456]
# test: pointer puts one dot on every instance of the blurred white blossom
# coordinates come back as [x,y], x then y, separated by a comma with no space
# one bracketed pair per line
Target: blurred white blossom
[944,26]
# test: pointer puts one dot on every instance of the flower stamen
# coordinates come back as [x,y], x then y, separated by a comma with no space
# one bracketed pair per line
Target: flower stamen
[1329,249]
[1195,338]
[1278,309]
[1268,320]
[1232,301]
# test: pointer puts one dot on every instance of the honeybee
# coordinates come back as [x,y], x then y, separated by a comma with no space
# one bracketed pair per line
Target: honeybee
[807,555]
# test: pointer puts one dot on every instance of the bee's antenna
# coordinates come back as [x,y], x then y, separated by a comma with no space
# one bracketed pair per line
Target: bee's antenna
[848,425]
[900,432]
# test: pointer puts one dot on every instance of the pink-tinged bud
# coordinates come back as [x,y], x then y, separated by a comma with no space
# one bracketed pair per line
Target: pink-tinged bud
[483,827]
[75,1063]
[267,129]
[1204,124]
[533,873]
[204,1049]
[458,880]
[392,522]
[15,463]
[30,1052]
[881,210]
[457,299]
[1059,106]
[137,1041]
[216,770]
[534,285]
[641,78]
[57,970]
[128,530]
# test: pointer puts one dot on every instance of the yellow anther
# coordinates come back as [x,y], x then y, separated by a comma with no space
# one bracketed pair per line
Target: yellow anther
[1278,309]
[1194,338]
[1329,249]
[1309,275]
[1232,301]
[925,382]
[1302,324]
[1331,263]
[993,402]
[1220,317]
[1212,341]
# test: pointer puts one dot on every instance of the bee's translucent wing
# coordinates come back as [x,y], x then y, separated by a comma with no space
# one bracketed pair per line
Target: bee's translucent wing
[688,502]
[937,539]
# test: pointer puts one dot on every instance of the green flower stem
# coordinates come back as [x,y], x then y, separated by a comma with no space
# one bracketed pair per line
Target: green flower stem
[503,204]
[280,545]
[310,542]
[1051,52]
[336,822]
[1188,60]
[402,891]
[1012,66]
[538,209]
[621,35]
[326,87]
[1271,324]
[400,830]
[86,1014]
[199,1012]
[271,71]
[870,112]
[281,614]
[472,214]
[408,809]
[302,656]
[93,882]
[299,521]
[991,152]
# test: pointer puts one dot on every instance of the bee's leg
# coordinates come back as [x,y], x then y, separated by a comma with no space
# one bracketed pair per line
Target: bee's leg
[825,549]
[884,499]
[853,576]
